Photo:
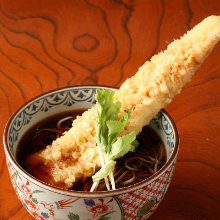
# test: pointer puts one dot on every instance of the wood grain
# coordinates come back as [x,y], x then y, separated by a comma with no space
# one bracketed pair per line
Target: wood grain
[51,44]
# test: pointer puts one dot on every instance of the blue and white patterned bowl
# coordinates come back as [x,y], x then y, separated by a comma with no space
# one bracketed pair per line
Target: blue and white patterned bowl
[43,201]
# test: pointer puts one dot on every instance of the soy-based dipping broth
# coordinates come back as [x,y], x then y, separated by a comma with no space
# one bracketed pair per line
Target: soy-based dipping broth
[148,158]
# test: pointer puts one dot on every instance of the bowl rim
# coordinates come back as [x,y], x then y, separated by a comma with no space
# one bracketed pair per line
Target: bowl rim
[80,194]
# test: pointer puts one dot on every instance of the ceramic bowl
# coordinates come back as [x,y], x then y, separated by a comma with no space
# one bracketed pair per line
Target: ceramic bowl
[43,201]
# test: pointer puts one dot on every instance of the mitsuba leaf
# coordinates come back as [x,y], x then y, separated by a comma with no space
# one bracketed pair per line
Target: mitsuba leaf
[107,110]
[108,127]
[123,145]
[112,112]
[116,127]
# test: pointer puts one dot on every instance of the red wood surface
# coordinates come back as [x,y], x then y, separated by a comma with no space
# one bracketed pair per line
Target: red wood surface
[50,44]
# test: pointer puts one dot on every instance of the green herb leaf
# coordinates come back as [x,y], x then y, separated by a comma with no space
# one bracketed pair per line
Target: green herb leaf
[108,127]
[107,110]
[123,145]
[135,143]
[106,106]
[116,127]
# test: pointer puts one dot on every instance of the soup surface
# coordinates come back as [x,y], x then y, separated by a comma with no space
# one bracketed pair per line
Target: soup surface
[148,158]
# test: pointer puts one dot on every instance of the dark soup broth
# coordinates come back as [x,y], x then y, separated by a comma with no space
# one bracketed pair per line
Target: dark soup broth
[44,133]
[148,158]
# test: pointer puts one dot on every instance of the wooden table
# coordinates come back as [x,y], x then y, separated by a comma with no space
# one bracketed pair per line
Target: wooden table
[51,44]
